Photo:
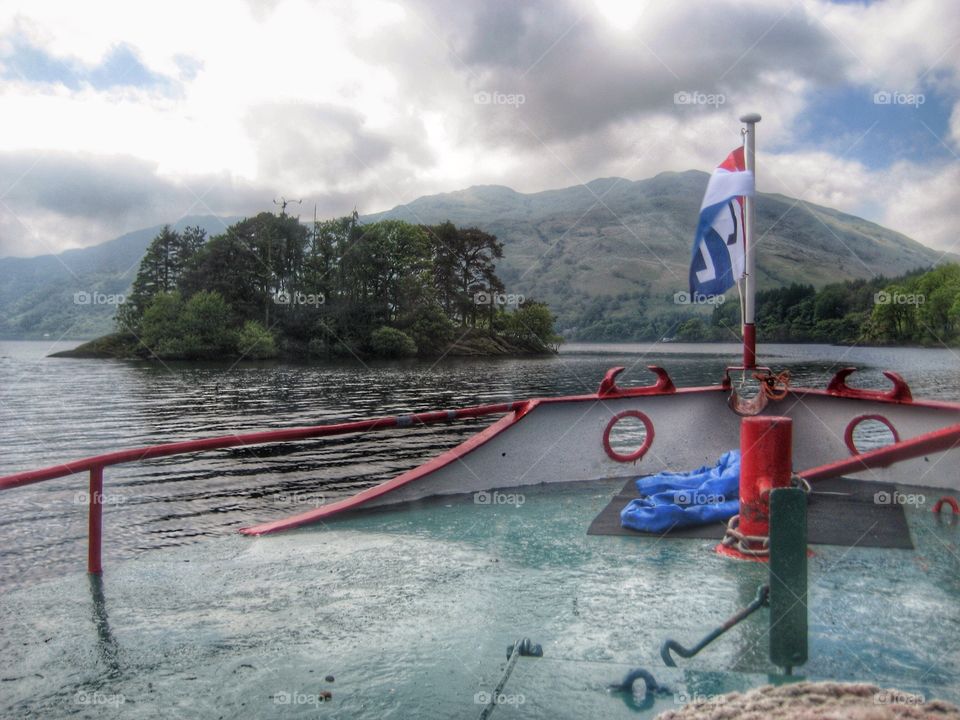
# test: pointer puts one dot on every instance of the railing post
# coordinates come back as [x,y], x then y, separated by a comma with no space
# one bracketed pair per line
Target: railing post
[95,530]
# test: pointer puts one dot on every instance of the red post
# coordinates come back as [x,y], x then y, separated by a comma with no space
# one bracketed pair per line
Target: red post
[95,529]
[766,451]
[749,346]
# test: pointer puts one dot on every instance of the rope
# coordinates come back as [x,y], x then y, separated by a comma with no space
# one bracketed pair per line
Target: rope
[521,647]
[774,385]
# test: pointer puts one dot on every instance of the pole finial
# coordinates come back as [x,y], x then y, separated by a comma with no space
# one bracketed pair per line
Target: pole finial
[750,118]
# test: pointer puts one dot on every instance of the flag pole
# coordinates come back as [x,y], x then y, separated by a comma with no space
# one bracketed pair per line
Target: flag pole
[750,260]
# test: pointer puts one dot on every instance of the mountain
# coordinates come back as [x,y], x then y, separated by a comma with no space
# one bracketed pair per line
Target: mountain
[73,294]
[610,249]
[613,246]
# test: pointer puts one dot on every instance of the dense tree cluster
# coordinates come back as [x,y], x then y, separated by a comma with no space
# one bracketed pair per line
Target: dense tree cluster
[160,269]
[271,285]
[921,307]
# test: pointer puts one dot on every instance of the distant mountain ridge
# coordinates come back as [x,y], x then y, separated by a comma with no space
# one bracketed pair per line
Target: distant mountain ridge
[594,252]
[604,249]
[72,295]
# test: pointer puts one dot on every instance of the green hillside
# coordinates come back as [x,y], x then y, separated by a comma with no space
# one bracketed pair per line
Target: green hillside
[613,247]
[72,295]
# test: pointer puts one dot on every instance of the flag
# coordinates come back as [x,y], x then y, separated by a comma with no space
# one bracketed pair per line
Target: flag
[718,248]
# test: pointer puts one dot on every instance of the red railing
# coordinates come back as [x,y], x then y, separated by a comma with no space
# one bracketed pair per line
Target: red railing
[935,441]
[941,440]
[95,465]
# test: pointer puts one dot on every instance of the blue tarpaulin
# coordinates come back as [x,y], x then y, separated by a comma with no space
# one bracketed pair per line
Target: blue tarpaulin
[676,500]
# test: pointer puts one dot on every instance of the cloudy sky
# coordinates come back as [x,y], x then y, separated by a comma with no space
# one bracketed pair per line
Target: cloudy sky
[120,115]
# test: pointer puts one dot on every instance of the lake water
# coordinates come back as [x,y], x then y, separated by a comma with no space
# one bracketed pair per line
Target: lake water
[54,410]
[410,611]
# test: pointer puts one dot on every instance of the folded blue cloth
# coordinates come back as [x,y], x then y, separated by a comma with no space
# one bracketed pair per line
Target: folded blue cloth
[676,500]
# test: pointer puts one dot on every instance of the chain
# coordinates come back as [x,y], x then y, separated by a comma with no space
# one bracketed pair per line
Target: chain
[732,537]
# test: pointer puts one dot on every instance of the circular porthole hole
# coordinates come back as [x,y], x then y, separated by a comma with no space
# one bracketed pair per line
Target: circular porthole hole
[870,432]
[628,436]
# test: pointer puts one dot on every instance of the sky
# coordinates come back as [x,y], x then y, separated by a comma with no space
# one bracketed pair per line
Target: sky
[122,115]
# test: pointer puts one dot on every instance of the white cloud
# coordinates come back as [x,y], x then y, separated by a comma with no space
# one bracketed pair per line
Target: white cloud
[897,44]
[922,204]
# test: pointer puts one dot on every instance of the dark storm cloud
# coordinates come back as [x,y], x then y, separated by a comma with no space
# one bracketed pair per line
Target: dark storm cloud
[579,74]
[50,199]
[84,186]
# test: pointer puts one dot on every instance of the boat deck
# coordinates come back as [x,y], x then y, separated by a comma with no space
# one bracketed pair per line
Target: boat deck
[411,610]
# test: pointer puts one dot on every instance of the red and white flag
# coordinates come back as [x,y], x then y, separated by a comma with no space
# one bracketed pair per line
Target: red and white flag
[718,248]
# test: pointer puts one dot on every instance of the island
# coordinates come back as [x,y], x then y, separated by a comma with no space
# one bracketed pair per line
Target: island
[270,286]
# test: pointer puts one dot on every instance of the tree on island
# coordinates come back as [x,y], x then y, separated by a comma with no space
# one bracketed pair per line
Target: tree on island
[160,270]
[270,285]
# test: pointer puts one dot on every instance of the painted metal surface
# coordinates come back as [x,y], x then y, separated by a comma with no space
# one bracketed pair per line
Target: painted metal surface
[750,244]
[765,453]
[95,521]
[271,436]
[608,386]
[788,577]
[900,392]
[765,464]
[561,439]
[749,345]
[929,444]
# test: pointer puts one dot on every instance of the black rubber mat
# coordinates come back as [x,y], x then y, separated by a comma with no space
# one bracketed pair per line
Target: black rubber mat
[840,512]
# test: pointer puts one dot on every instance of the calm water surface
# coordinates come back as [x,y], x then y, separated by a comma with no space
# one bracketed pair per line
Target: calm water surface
[54,410]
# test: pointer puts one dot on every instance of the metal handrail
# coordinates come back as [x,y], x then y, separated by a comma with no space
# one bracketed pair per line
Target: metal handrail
[94,465]
[941,440]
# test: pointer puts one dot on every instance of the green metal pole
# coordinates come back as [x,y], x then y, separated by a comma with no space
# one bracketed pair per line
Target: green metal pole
[788,578]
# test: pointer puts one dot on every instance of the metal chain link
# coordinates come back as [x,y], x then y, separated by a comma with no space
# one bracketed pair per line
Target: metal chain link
[732,537]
